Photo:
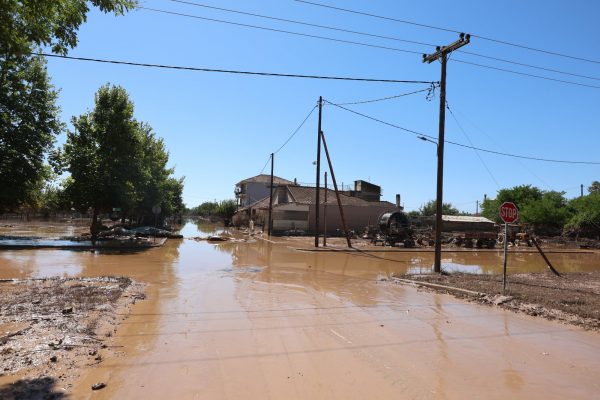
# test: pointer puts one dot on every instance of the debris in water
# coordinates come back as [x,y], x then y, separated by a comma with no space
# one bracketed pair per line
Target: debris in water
[98,386]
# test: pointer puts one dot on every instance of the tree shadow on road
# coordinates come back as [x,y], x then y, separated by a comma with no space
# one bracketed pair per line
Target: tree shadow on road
[38,388]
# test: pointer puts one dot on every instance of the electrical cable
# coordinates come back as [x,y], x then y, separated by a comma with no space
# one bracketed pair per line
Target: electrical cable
[429,90]
[419,134]
[265,166]
[264,28]
[502,148]
[291,21]
[289,138]
[373,35]
[295,131]
[362,44]
[450,30]
[471,143]
[525,74]
[137,64]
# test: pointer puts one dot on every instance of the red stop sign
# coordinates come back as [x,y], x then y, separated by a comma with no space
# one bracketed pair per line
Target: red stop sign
[509,212]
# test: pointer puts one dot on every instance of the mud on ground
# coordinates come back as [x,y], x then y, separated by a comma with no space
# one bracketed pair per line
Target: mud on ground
[573,298]
[50,328]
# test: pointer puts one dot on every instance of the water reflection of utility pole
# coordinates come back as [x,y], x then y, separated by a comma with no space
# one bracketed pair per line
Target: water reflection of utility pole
[325,214]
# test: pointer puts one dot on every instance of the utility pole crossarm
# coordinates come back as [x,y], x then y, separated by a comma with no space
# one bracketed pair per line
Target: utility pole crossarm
[442,51]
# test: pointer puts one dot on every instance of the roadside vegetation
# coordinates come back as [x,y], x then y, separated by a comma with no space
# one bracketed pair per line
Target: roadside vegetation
[550,212]
[222,209]
[110,161]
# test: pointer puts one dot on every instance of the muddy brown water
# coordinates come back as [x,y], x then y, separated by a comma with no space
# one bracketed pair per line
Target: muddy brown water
[261,320]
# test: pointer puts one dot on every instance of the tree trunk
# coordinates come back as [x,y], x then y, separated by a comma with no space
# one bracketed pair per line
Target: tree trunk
[94,229]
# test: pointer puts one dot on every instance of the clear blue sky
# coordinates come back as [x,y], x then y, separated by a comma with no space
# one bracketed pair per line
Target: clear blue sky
[220,128]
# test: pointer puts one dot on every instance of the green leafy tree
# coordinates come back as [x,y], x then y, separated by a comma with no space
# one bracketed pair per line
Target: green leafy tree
[31,23]
[586,216]
[29,123]
[429,209]
[28,112]
[206,209]
[547,215]
[117,162]
[226,208]
[546,211]
[104,154]
[156,185]
[594,187]
[520,195]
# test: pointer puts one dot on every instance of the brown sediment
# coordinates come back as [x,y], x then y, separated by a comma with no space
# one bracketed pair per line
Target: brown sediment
[573,298]
[260,320]
[51,328]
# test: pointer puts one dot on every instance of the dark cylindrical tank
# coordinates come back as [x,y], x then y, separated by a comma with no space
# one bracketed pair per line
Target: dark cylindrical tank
[391,222]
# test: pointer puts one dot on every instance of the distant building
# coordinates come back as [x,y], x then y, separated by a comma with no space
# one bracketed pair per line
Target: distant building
[294,211]
[253,189]
[366,191]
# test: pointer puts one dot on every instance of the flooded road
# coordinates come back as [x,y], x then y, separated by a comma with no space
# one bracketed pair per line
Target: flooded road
[259,320]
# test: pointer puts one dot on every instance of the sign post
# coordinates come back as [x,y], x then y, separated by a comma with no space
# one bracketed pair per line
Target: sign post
[509,213]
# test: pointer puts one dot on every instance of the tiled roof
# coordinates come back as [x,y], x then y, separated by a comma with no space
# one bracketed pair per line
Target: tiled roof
[262,203]
[265,178]
[306,195]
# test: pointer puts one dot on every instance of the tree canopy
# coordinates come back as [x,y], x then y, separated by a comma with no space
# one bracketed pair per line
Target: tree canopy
[223,209]
[29,119]
[549,212]
[25,25]
[429,209]
[116,161]
[29,123]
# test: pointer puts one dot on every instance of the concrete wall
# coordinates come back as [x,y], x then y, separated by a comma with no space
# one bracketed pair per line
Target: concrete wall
[290,216]
[255,191]
[357,217]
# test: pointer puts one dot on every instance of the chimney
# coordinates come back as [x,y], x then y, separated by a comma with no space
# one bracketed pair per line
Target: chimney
[398,200]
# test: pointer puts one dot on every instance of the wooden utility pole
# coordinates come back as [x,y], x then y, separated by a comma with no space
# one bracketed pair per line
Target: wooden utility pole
[337,193]
[317,188]
[271,195]
[441,54]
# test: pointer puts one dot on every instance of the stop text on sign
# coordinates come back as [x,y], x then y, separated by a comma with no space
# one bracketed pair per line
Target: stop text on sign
[509,212]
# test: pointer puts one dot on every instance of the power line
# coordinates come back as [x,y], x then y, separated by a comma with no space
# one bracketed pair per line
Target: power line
[264,28]
[295,131]
[289,138]
[502,148]
[291,21]
[462,144]
[525,74]
[528,65]
[373,35]
[227,71]
[471,143]
[378,47]
[450,30]
[265,166]
[429,90]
